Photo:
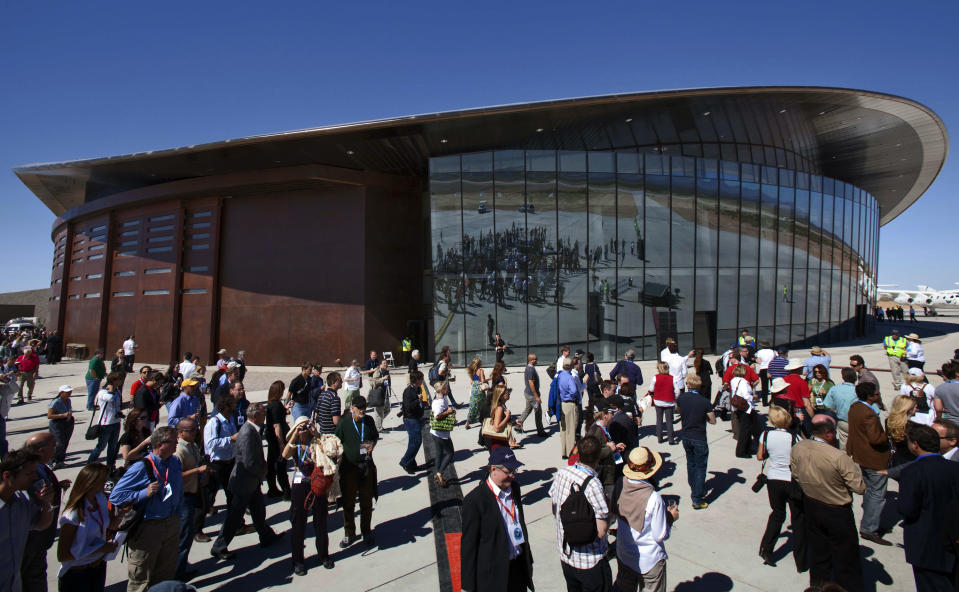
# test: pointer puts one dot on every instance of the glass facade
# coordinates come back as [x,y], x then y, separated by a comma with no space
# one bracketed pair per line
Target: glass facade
[611,250]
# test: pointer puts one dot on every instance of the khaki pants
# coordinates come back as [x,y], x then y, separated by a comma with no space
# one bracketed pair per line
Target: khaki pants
[567,426]
[842,433]
[152,557]
[899,370]
[653,580]
[28,378]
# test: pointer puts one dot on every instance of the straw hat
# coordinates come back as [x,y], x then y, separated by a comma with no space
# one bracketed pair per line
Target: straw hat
[643,463]
[794,364]
[778,385]
[816,351]
[296,424]
[912,336]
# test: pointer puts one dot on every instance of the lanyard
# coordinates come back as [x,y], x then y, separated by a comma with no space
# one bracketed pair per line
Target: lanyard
[605,431]
[163,478]
[99,518]
[511,510]
[303,454]
[360,430]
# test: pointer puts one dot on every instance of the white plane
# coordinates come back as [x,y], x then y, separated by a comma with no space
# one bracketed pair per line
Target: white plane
[924,296]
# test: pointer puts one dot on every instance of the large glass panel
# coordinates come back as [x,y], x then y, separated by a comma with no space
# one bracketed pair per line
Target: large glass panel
[749,226]
[748,293]
[769,225]
[786,220]
[571,228]
[729,223]
[657,219]
[683,216]
[727,299]
[479,253]
[681,283]
[541,231]
[630,207]
[769,298]
[604,288]
[784,308]
[446,232]
[707,222]
[510,246]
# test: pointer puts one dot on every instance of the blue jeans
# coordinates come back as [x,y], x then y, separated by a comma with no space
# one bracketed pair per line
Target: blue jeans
[414,429]
[697,455]
[188,519]
[93,387]
[873,500]
[301,410]
[109,439]
[444,452]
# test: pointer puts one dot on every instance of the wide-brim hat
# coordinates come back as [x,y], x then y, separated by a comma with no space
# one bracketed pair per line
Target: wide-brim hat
[912,336]
[778,385]
[816,351]
[299,421]
[794,364]
[642,463]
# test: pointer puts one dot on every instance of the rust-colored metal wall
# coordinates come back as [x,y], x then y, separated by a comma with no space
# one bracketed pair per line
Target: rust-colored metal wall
[289,269]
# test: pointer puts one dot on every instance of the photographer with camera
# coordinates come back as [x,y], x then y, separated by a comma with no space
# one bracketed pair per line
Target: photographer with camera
[358,435]
[775,445]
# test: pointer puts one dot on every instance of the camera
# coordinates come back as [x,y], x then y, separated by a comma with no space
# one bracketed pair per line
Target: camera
[760,483]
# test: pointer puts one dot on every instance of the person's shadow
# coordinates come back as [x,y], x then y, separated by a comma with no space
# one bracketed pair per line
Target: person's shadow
[720,483]
[710,581]
[873,570]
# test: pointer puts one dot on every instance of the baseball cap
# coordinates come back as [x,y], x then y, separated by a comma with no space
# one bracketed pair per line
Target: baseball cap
[65,388]
[504,457]
[615,401]
[222,351]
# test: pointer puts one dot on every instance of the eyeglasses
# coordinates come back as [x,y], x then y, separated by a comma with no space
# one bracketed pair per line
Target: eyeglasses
[507,472]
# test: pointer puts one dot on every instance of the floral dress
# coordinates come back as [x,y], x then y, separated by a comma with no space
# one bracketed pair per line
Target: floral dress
[477,396]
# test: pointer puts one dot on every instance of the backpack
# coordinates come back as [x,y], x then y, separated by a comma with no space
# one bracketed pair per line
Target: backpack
[577,517]
[434,374]
[132,520]
[169,392]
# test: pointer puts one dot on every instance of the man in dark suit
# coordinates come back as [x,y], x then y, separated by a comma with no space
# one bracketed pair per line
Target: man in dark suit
[494,550]
[927,488]
[622,428]
[248,473]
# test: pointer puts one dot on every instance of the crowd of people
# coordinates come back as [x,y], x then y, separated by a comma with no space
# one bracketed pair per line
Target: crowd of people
[821,441]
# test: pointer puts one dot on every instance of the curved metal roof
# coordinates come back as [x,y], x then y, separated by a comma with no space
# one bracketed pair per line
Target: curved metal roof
[888,145]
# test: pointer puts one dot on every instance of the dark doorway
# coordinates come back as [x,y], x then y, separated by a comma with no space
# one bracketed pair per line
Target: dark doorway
[704,330]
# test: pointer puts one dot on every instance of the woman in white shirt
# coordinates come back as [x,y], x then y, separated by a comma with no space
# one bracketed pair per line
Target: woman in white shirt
[109,401]
[87,528]
[441,409]
[740,388]
[915,356]
[775,447]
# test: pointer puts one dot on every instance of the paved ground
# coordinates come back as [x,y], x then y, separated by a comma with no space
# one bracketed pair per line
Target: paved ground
[714,550]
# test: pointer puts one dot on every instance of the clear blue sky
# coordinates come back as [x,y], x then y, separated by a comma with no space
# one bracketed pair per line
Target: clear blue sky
[88,79]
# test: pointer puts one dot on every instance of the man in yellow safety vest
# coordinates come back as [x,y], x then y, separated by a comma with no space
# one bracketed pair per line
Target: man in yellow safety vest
[407,346]
[896,352]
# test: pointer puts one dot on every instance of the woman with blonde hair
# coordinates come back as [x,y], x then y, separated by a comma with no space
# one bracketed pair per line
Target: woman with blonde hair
[664,399]
[478,390]
[775,447]
[500,418]
[903,408]
[87,528]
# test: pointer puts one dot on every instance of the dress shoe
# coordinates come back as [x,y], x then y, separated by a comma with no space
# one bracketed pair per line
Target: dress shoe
[410,468]
[767,558]
[223,555]
[299,570]
[369,540]
[328,562]
[348,540]
[246,529]
[201,537]
[874,538]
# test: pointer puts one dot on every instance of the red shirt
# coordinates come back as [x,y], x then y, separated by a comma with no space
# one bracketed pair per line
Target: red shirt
[750,377]
[663,388]
[28,363]
[135,386]
[797,391]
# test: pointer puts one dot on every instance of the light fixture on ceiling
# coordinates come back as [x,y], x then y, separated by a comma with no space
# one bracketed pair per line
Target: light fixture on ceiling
[539,130]
[822,112]
[706,113]
[629,120]
[443,141]
[781,111]
[349,153]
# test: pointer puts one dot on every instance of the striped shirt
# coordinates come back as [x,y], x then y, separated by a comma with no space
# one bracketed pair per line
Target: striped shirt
[327,407]
[777,367]
[581,556]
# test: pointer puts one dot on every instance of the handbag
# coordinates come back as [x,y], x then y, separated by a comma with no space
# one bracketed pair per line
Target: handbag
[443,425]
[489,432]
[94,429]
[377,397]
[738,402]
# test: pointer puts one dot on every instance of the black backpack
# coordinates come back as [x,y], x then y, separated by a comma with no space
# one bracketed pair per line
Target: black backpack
[577,517]
[169,392]
[434,374]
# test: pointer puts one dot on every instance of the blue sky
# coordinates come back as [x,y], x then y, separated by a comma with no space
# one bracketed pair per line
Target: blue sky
[83,79]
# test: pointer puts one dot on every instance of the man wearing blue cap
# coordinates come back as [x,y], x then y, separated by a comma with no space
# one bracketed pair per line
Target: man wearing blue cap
[494,552]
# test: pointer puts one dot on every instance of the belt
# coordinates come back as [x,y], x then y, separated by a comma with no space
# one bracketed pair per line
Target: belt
[222,462]
[87,566]
[841,507]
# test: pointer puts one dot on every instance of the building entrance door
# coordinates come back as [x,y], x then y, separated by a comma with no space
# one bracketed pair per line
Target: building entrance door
[704,330]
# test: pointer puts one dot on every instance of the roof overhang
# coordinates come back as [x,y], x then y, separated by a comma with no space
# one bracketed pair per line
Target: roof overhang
[890,146]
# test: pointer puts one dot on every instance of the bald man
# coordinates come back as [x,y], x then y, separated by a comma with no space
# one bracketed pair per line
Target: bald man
[33,569]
